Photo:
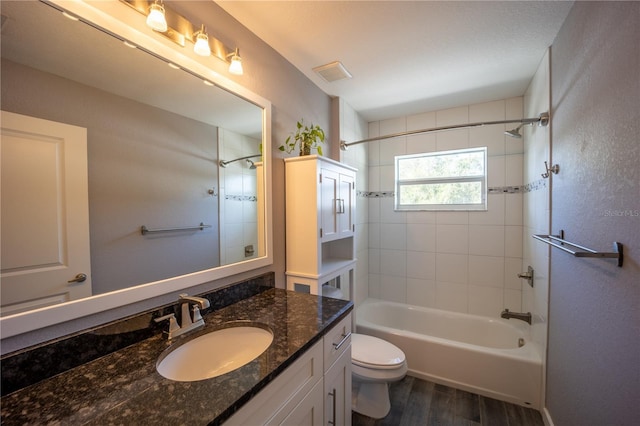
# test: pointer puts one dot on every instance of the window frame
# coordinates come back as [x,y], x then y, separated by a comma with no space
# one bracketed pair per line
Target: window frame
[482,179]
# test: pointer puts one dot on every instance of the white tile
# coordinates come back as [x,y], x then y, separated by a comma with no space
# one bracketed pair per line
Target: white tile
[452,239]
[387,177]
[452,268]
[512,267]
[388,214]
[374,210]
[496,171]
[374,179]
[421,265]
[486,271]
[486,240]
[452,218]
[393,288]
[514,165]
[452,116]
[421,143]
[390,148]
[494,214]
[490,136]
[374,235]
[514,108]
[374,261]
[421,237]
[393,263]
[513,241]
[393,236]
[425,120]
[487,111]
[487,301]
[451,296]
[374,286]
[393,125]
[374,147]
[513,209]
[454,139]
[421,292]
[421,217]
[513,300]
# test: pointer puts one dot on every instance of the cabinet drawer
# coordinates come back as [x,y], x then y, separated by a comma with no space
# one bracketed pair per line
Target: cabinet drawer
[336,341]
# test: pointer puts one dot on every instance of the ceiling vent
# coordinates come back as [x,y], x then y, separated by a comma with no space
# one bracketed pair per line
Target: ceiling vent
[332,72]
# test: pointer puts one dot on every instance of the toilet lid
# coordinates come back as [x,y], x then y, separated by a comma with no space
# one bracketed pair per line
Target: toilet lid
[371,352]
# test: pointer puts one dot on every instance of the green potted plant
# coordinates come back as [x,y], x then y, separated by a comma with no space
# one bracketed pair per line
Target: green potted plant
[307,136]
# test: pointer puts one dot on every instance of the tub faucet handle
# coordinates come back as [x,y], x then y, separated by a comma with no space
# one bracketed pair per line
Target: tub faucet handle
[527,275]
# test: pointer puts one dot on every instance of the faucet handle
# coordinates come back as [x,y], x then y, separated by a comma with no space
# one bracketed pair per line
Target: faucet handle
[173,323]
[196,314]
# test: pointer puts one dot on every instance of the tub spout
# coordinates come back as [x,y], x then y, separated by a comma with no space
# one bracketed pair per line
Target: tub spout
[526,317]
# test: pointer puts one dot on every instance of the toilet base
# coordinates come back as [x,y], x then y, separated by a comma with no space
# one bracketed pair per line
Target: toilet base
[370,399]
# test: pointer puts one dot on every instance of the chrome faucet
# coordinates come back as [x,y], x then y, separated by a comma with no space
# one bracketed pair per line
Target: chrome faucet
[526,317]
[188,322]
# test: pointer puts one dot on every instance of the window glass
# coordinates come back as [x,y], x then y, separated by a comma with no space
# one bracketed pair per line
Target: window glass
[447,180]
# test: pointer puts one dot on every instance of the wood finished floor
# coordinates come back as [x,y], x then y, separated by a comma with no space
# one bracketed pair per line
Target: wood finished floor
[419,402]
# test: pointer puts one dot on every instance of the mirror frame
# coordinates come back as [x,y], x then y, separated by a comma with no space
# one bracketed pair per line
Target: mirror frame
[123,22]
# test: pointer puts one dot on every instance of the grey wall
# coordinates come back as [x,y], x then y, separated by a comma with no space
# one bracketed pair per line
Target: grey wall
[593,375]
[293,96]
[146,166]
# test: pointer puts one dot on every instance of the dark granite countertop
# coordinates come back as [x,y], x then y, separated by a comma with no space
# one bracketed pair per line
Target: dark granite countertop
[124,387]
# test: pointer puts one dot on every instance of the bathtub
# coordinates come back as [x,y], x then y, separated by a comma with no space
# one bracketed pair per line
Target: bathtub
[487,356]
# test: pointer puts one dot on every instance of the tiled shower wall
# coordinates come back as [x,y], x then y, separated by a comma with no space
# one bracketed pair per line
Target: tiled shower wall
[458,261]
[238,199]
[536,204]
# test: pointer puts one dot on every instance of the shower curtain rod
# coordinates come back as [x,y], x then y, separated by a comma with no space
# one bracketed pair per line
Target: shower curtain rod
[542,120]
[224,163]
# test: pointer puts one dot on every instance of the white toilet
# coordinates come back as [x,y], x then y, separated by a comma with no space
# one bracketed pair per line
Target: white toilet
[374,364]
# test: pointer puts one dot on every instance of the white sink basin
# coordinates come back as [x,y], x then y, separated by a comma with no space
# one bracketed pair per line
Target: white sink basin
[214,354]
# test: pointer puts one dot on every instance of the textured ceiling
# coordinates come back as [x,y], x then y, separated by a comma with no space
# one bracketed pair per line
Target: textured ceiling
[410,56]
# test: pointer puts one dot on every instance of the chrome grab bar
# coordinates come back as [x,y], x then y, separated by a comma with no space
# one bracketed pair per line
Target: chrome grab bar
[144,230]
[560,242]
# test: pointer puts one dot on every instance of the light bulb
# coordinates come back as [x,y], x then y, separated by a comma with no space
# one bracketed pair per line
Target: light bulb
[236,64]
[202,44]
[156,19]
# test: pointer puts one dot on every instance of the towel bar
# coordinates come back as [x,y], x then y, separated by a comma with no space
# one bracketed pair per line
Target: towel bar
[555,241]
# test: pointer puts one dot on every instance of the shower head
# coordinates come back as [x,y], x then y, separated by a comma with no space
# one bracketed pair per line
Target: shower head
[515,133]
[251,164]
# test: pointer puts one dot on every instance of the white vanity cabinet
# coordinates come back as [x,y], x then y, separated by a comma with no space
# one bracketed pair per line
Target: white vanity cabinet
[320,222]
[314,390]
[337,374]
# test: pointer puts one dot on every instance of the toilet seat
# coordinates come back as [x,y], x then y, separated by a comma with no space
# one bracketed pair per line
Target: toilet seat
[374,353]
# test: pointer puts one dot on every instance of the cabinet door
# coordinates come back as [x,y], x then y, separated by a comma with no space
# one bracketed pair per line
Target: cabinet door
[337,391]
[346,205]
[309,411]
[329,187]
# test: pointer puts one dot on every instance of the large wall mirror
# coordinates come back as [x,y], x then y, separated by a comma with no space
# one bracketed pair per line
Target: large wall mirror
[124,175]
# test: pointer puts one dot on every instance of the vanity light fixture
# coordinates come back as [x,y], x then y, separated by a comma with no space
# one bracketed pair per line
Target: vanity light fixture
[170,24]
[156,19]
[235,67]
[201,46]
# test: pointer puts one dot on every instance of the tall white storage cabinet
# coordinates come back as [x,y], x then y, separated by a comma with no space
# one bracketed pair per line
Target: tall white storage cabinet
[320,219]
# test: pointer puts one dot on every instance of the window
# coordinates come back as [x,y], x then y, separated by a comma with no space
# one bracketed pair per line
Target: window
[446,180]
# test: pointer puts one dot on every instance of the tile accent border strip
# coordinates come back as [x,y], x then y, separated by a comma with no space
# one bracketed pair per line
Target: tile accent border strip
[523,189]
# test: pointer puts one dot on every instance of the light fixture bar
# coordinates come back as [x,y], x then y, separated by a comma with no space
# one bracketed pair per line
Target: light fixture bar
[180,29]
